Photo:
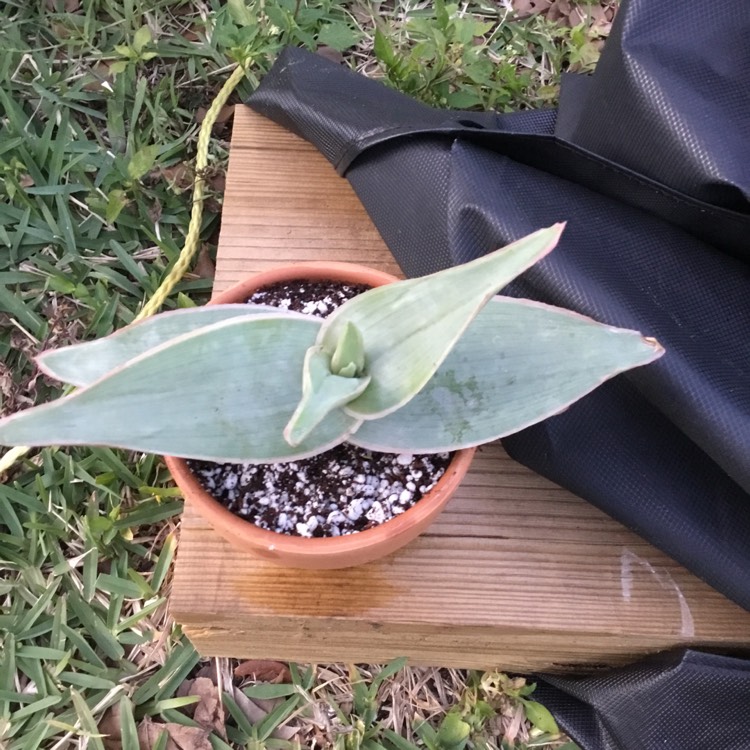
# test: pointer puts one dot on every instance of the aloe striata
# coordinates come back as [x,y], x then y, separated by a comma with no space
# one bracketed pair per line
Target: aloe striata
[424,365]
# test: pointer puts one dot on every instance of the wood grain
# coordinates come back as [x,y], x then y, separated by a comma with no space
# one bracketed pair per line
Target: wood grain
[517,573]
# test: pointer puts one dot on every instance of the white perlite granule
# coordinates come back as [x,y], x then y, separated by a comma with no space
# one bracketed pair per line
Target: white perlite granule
[341,491]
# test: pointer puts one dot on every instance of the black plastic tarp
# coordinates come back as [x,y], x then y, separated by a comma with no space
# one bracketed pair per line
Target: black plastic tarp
[680,700]
[648,161]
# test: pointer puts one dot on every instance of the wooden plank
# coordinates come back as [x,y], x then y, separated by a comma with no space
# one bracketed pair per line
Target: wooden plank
[517,573]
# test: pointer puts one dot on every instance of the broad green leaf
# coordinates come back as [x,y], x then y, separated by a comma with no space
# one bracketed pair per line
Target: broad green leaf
[141,38]
[424,730]
[322,393]
[409,327]
[464,99]
[116,201]
[383,49]
[338,35]
[118,66]
[517,364]
[239,383]
[240,13]
[84,364]
[453,733]
[540,716]
[142,161]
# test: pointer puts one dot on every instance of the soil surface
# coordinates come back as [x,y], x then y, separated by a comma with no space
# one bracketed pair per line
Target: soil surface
[341,491]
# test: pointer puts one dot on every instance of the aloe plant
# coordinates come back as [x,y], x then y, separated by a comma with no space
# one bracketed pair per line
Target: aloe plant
[423,365]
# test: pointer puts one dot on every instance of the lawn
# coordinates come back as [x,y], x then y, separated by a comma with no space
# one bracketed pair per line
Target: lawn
[101,107]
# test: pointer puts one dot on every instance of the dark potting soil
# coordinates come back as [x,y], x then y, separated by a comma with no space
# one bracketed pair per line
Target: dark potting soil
[341,491]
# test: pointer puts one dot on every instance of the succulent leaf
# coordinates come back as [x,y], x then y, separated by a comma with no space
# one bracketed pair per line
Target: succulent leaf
[223,392]
[83,364]
[349,354]
[518,363]
[322,392]
[409,327]
[350,371]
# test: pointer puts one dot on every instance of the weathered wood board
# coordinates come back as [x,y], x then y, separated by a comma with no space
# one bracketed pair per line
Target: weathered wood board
[517,573]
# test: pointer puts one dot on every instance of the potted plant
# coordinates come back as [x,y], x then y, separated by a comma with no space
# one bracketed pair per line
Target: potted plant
[431,365]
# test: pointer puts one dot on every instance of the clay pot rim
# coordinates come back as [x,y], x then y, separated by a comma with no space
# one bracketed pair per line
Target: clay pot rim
[220,516]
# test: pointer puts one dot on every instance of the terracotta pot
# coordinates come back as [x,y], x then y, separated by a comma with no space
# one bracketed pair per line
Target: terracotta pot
[329,552]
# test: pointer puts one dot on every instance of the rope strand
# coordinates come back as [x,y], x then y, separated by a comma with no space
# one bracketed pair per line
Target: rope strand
[193,234]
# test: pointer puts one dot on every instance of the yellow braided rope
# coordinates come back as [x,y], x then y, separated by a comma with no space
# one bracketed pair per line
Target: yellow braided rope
[193,234]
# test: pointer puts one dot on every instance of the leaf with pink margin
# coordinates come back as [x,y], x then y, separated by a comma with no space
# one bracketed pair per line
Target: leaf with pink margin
[518,363]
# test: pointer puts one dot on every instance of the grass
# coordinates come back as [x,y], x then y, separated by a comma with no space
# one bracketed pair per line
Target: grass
[99,111]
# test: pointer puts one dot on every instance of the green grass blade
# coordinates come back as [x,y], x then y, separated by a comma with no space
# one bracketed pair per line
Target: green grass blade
[41,652]
[129,622]
[90,571]
[164,562]
[86,651]
[89,681]
[388,671]
[88,723]
[397,741]
[119,586]
[162,741]
[95,627]
[166,679]
[128,729]
[39,607]
[238,715]
[149,512]
[7,667]
[267,691]
[277,717]
[13,305]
